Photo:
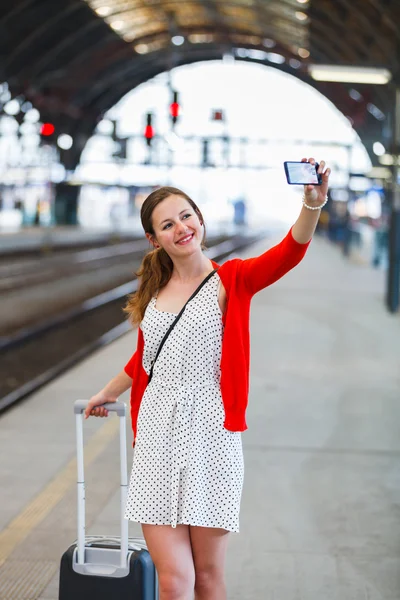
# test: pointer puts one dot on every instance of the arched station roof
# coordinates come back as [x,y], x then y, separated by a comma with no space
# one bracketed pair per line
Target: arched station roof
[74,59]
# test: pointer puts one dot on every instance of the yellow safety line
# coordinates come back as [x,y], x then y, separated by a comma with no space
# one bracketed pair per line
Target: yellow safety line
[41,505]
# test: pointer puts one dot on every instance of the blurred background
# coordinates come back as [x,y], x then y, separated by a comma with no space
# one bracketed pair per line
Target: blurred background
[105,100]
[236,123]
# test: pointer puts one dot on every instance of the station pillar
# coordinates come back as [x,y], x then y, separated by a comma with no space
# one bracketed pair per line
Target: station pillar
[393,275]
[66,204]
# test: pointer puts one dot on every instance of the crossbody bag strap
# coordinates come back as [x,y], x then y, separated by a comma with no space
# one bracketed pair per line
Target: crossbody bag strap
[177,319]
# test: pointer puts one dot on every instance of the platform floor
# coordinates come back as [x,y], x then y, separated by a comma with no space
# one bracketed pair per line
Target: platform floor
[321,502]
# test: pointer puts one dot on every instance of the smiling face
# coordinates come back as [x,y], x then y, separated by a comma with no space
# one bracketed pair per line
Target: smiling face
[177,228]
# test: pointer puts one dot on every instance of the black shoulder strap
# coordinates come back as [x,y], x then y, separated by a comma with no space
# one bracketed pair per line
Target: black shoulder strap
[177,319]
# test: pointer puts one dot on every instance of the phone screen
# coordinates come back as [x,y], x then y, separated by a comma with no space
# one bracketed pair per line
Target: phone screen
[301,173]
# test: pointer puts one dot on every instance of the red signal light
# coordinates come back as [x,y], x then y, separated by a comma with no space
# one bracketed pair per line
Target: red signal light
[149,132]
[47,129]
[174,110]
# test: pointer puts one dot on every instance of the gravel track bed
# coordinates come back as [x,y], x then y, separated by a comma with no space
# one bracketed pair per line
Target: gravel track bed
[21,364]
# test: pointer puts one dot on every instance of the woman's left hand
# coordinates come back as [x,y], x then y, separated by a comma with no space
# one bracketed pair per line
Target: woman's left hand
[315,194]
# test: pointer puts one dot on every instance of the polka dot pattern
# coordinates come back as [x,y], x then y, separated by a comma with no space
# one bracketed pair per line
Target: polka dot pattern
[187,468]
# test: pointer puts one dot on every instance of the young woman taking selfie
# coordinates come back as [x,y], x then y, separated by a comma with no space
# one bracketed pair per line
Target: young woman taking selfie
[189,380]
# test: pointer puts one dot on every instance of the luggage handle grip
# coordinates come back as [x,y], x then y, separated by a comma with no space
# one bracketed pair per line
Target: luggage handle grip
[118,407]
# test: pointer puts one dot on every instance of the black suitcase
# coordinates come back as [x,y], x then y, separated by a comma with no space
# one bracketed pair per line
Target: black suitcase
[100,567]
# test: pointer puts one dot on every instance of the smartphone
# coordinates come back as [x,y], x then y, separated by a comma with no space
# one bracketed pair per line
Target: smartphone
[302,173]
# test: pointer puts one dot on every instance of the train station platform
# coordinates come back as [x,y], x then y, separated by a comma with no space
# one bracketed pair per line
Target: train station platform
[320,506]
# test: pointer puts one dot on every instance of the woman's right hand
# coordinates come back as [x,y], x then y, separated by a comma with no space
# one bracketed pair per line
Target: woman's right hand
[95,406]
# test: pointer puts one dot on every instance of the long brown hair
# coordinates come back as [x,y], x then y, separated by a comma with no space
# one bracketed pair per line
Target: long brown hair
[156,268]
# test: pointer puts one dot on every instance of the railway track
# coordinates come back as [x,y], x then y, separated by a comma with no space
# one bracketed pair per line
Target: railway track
[36,355]
[23,274]
[28,291]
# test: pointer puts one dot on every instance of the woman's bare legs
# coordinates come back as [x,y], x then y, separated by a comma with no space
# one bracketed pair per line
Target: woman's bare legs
[209,547]
[170,549]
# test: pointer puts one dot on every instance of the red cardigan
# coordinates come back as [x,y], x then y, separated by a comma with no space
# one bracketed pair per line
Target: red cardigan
[241,280]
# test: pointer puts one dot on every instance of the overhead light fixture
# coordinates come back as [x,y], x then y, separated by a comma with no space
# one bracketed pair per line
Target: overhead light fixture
[276,58]
[228,58]
[154,46]
[32,115]
[355,95]
[375,112]
[241,52]
[257,54]
[268,43]
[301,16]
[12,107]
[386,159]
[178,40]
[294,63]
[27,128]
[303,53]
[117,25]
[142,48]
[104,11]
[105,127]
[344,74]
[379,149]
[200,38]
[65,141]
[5,96]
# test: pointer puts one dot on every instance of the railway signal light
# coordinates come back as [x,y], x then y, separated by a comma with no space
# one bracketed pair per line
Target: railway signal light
[149,130]
[47,133]
[174,108]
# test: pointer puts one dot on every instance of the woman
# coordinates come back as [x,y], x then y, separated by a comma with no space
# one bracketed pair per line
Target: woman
[187,417]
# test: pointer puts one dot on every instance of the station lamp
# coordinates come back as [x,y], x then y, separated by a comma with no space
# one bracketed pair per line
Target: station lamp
[350,74]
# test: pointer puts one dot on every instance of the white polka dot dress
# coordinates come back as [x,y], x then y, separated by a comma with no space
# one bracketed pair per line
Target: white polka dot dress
[187,468]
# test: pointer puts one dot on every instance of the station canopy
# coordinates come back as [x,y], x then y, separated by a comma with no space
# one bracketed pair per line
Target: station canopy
[74,59]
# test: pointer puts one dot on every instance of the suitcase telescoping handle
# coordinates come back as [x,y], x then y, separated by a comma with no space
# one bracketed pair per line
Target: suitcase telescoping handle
[120,409]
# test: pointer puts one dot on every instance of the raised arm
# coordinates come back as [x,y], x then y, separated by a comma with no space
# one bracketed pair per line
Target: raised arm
[314,197]
[261,271]
[264,270]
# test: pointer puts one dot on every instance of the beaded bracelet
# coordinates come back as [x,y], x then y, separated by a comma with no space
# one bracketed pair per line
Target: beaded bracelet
[313,207]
